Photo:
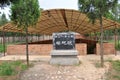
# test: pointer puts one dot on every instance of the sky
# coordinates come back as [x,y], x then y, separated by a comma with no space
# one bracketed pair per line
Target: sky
[53,4]
[6,11]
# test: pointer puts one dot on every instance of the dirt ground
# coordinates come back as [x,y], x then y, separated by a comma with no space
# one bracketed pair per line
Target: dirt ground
[87,70]
[42,70]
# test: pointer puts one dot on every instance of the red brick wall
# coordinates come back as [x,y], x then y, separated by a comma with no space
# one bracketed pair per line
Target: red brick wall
[42,49]
[82,48]
[33,49]
[108,48]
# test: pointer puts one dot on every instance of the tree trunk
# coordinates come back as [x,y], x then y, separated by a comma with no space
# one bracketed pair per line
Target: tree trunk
[118,39]
[12,38]
[115,36]
[27,53]
[8,39]
[3,42]
[101,42]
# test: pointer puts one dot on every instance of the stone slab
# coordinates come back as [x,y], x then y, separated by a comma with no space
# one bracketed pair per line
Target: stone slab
[64,57]
[64,60]
[64,52]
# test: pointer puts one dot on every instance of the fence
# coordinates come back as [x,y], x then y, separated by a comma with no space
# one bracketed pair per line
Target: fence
[14,39]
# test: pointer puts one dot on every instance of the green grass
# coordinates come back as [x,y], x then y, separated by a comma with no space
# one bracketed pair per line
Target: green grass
[11,68]
[6,69]
[117,47]
[97,64]
[114,72]
[23,67]
[116,65]
[1,48]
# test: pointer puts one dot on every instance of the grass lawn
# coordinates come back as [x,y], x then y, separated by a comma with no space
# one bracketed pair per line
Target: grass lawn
[1,48]
[9,70]
[114,72]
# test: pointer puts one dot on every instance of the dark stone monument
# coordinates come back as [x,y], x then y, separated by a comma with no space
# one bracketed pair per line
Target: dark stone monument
[63,41]
[64,52]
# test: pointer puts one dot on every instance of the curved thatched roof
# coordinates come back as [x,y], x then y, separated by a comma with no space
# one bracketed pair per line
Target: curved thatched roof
[56,20]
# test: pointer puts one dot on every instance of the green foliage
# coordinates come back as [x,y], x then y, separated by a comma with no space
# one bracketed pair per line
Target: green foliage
[116,12]
[114,15]
[1,48]
[109,15]
[5,3]
[6,69]
[114,72]
[11,68]
[3,19]
[116,65]
[25,13]
[117,46]
[95,9]
[16,63]
[24,67]
[97,64]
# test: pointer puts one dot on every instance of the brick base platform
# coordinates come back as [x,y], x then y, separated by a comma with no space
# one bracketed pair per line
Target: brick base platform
[108,48]
[44,49]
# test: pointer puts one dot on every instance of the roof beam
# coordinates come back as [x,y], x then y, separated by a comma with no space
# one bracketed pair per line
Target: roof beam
[64,16]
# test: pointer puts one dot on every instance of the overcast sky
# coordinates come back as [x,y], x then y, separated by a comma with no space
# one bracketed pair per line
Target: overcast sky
[53,4]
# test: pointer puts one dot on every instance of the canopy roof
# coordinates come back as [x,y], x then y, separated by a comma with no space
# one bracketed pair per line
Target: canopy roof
[58,20]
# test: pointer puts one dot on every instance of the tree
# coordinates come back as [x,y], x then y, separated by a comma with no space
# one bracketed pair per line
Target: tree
[95,9]
[25,13]
[4,3]
[116,12]
[3,19]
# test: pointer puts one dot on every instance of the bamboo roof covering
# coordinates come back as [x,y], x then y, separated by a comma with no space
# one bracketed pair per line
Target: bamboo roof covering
[9,27]
[58,20]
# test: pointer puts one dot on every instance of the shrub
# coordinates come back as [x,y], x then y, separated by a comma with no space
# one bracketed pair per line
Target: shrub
[117,46]
[116,65]
[16,63]
[114,72]
[24,66]
[11,68]
[1,48]
[6,69]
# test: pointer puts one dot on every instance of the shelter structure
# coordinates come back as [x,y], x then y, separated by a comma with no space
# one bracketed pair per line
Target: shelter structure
[60,20]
